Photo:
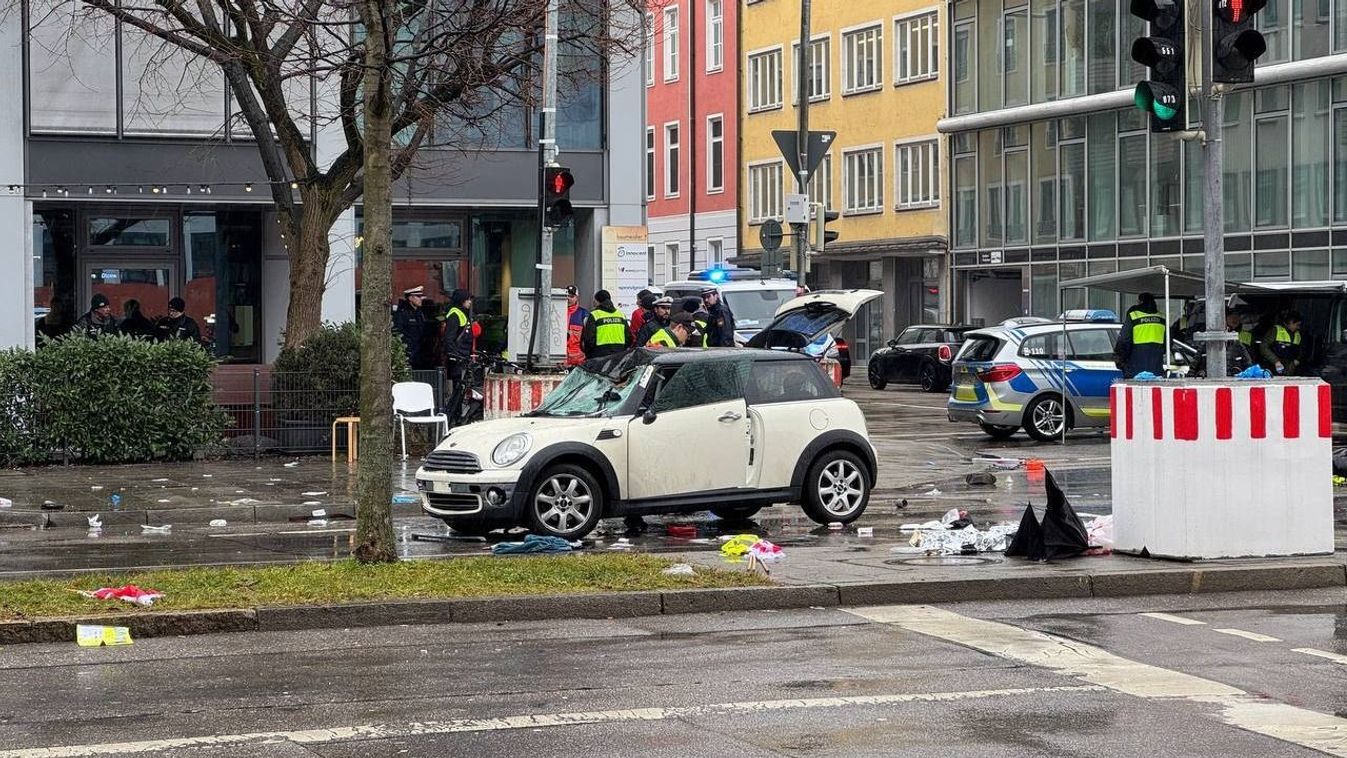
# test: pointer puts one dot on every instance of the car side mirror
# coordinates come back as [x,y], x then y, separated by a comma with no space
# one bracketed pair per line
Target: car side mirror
[893,342]
[648,417]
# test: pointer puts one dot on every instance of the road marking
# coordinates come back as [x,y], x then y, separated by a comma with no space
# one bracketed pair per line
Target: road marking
[527,721]
[1322,654]
[1317,731]
[1173,619]
[1255,636]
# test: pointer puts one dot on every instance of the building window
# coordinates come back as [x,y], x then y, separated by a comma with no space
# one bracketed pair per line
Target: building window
[821,184]
[862,60]
[671,258]
[670,44]
[649,49]
[918,168]
[715,251]
[916,48]
[965,86]
[715,35]
[650,163]
[672,165]
[715,154]
[764,192]
[764,80]
[820,84]
[863,180]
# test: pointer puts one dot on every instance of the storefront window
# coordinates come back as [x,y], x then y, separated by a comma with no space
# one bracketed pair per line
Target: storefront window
[1103,141]
[427,253]
[222,252]
[128,232]
[1103,17]
[1309,153]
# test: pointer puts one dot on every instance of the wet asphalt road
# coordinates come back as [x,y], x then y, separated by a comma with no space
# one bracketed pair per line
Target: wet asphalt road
[923,461]
[1210,676]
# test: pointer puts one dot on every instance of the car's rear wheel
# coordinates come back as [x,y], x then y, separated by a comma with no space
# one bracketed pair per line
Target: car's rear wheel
[565,501]
[876,374]
[930,380]
[736,514]
[1046,418]
[998,432]
[837,488]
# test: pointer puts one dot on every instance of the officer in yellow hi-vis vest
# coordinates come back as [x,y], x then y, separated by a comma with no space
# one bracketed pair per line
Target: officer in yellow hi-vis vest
[1141,344]
[1281,344]
[606,331]
[673,335]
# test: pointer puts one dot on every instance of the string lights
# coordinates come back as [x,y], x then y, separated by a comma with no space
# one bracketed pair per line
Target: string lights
[91,190]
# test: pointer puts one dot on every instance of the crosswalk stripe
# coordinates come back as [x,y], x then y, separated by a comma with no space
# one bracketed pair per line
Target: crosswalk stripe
[1336,658]
[1255,636]
[1173,619]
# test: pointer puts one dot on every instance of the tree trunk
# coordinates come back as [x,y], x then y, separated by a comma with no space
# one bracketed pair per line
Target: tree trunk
[308,245]
[374,513]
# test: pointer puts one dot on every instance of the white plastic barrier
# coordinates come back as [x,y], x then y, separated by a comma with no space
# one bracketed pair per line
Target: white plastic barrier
[1222,468]
[505,395]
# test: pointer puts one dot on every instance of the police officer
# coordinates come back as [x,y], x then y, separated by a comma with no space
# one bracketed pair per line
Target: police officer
[1281,344]
[1141,345]
[675,334]
[458,342]
[409,323]
[98,321]
[659,318]
[177,325]
[719,319]
[698,338]
[607,331]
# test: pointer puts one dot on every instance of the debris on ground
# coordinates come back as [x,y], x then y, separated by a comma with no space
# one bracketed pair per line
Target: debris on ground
[1338,481]
[682,531]
[533,543]
[836,526]
[116,502]
[679,569]
[311,494]
[147,529]
[865,531]
[902,504]
[935,492]
[128,592]
[1254,372]
[6,502]
[87,635]
[292,464]
[318,522]
[623,543]
[955,534]
[1061,534]
[1099,532]
[95,521]
[766,552]
[219,522]
[406,498]
[738,545]
[981,479]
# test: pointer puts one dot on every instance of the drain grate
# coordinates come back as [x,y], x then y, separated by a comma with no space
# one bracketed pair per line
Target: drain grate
[943,560]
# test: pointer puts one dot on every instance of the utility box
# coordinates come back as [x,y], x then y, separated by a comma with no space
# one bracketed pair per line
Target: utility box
[797,209]
[1222,468]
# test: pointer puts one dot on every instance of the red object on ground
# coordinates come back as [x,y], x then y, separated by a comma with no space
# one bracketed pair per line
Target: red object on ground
[685,531]
[129,592]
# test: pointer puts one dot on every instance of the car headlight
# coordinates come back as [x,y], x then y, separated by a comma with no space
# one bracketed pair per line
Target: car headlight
[511,449]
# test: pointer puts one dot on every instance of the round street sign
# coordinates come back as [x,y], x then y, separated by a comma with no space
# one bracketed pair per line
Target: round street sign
[769,234]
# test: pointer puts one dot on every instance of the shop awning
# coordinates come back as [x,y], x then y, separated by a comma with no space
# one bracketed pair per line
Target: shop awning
[1157,280]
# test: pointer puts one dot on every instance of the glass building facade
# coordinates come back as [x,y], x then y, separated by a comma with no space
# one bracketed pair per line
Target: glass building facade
[1039,201]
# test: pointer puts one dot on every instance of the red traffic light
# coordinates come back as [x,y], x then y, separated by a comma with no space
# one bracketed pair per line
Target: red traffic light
[1238,11]
[559,181]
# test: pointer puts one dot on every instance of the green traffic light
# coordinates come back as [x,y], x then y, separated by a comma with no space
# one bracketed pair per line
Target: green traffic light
[1164,112]
[1144,98]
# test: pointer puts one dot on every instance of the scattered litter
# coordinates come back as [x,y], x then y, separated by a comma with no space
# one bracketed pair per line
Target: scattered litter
[163,500]
[158,481]
[96,488]
[1254,372]
[836,525]
[101,636]
[1338,481]
[965,541]
[95,521]
[982,479]
[292,464]
[533,543]
[1006,464]
[684,531]
[309,494]
[622,544]
[865,531]
[405,498]
[147,529]
[218,522]
[318,522]
[320,513]
[766,552]
[241,501]
[48,505]
[312,502]
[1145,376]
[902,504]
[207,476]
[1100,534]
[6,502]
[1060,535]
[699,541]
[116,501]
[679,569]
[738,545]
[273,480]
[128,592]
[934,492]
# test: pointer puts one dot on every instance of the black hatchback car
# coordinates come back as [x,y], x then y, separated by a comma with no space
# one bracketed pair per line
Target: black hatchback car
[921,355]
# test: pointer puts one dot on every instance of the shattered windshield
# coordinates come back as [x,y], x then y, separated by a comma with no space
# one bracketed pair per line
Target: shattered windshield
[587,393]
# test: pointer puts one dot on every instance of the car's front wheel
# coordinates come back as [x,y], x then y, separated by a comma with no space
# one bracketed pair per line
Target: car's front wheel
[736,514]
[1046,418]
[876,374]
[837,488]
[565,501]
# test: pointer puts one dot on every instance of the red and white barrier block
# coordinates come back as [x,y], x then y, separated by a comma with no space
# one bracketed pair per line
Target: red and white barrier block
[506,395]
[833,369]
[1222,468]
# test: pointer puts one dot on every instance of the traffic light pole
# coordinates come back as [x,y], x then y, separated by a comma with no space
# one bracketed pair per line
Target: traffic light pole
[800,241]
[1213,208]
[547,148]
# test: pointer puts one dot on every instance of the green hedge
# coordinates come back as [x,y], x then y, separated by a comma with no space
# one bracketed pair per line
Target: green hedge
[106,400]
[320,379]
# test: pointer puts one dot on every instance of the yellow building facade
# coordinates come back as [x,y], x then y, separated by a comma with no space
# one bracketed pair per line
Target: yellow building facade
[875,77]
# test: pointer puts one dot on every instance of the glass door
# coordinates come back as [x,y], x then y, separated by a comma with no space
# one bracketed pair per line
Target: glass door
[151,283]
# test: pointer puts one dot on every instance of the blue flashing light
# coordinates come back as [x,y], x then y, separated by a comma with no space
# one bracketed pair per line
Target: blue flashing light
[717,275]
[1095,316]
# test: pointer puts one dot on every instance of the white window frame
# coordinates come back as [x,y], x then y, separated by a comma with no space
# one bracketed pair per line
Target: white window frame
[758,215]
[674,164]
[670,41]
[651,182]
[715,37]
[750,79]
[822,181]
[649,49]
[903,26]
[715,251]
[713,188]
[827,93]
[671,253]
[903,187]
[877,206]
[848,64]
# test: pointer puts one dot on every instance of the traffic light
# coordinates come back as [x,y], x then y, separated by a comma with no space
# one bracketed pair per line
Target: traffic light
[557,183]
[1235,43]
[822,234]
[1164,94]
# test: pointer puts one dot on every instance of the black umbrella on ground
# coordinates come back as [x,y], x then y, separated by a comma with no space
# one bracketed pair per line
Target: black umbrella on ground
[1061,535]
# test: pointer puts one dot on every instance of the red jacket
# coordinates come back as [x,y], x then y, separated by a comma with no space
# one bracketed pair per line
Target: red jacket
[638,318]
[575,324]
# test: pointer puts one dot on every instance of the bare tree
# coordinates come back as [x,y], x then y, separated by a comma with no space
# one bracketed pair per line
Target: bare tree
[453,66]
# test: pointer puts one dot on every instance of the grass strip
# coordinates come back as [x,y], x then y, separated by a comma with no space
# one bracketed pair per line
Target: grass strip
[317,583]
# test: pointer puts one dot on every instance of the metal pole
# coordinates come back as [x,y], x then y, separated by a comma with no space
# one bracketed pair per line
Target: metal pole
[1213,213]
[543,299]
[799,241]
[257,412]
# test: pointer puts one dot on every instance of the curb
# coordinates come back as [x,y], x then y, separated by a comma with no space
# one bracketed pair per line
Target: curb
[188,516]
[1166,581]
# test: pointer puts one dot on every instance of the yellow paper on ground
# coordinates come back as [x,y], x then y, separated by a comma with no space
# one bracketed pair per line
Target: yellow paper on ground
[100,636]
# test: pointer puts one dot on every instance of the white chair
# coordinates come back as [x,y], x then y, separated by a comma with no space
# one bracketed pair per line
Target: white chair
[414,403]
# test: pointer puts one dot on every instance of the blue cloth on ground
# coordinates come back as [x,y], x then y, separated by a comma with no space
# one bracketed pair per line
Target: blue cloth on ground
[533,543]
[1254,372]
[1145,376]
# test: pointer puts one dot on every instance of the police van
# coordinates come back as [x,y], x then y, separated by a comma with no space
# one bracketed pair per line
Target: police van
[753,300]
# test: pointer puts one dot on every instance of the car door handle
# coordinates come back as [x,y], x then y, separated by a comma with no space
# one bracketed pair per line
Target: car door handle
[730,416]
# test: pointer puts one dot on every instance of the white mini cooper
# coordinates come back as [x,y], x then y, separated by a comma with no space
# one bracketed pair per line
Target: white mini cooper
[663,431]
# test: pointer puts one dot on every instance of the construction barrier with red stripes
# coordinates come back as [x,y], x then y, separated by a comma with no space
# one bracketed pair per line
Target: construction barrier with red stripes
[1222,468]
[833,369]
[505,395]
